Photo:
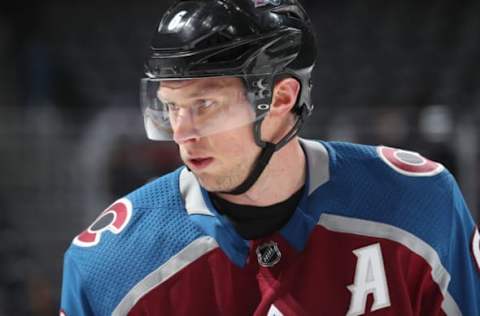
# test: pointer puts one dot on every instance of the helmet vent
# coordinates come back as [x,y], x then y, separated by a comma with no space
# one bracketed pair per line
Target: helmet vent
[293,15]
[214,39]
[229,55]
[292,12]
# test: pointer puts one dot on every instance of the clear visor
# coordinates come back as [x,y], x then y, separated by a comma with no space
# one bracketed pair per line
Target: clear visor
[175,109]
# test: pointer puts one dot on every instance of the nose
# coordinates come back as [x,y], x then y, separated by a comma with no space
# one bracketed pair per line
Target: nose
[183,126]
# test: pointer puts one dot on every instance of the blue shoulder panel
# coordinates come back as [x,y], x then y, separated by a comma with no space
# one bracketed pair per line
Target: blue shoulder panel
[74,298]
[362,185]
[158,229]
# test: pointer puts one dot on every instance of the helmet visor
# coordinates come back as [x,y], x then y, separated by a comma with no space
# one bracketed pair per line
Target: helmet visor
[179,109]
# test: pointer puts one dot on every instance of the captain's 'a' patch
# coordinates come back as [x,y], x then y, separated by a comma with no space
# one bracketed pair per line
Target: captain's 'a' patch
[409,163]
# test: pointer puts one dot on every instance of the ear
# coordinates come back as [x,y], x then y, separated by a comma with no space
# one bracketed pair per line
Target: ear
[284,96]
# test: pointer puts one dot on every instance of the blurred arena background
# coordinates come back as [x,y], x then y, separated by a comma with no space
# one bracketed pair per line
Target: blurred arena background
[400,73]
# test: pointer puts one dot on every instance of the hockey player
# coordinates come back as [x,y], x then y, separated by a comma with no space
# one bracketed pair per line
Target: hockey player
[259,221]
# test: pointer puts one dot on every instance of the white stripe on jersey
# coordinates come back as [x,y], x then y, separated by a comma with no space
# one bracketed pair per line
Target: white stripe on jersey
[186,256]
[362,227]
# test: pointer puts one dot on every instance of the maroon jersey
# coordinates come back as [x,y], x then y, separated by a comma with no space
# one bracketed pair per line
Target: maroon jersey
[378,231]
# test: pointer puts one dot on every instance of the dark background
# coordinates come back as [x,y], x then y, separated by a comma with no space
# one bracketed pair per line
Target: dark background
[400,73]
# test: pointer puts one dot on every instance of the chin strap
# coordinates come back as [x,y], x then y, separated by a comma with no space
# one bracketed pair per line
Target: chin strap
[268,149]
[259,166]
[261,99]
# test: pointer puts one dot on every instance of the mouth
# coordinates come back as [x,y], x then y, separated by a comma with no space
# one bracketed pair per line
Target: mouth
[199,163]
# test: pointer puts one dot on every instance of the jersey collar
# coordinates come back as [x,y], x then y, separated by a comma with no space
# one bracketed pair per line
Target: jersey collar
[296,231]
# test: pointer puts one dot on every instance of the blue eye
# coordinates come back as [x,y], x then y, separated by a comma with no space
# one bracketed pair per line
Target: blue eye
[172,107]
[204,104]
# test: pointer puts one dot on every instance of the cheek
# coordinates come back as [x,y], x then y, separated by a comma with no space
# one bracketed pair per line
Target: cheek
[236,145]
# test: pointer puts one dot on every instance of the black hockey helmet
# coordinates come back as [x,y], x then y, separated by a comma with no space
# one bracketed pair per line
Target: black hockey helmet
[259,41]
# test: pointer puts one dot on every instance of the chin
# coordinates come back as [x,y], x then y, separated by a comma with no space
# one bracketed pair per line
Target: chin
[207,181]
[214,183]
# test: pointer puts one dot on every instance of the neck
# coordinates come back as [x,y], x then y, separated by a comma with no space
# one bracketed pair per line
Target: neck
[283,176]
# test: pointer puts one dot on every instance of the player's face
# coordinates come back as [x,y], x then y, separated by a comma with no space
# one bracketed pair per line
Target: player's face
[206,119]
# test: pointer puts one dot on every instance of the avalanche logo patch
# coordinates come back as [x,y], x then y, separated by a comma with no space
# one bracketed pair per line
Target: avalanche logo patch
[409,163]
[114,219]
[476,247]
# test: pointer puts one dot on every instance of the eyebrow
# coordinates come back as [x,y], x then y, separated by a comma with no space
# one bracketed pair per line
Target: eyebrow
[209,88]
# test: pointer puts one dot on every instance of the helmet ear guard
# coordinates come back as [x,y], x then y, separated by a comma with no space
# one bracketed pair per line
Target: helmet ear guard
[268,148]
[259,41]
[262,107]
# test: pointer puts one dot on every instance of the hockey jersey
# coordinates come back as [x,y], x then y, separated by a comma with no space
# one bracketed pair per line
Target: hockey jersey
[378,231]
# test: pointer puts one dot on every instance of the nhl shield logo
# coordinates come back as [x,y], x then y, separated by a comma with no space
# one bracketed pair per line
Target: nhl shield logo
[268,254]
